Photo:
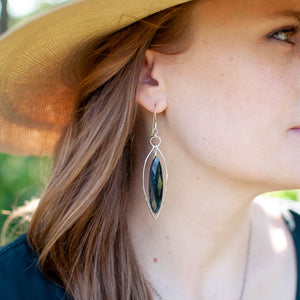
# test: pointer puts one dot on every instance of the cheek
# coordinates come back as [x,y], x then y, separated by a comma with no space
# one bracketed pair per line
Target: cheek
[227,112]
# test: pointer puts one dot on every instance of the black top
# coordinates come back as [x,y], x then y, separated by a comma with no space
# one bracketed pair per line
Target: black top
[296,236]
[21,279]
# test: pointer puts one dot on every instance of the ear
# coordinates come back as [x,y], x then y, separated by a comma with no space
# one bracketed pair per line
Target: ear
[150,90]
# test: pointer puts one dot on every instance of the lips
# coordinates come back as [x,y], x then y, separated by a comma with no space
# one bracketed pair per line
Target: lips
[295,129]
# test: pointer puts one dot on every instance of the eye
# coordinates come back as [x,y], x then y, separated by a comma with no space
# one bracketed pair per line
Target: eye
[284,35]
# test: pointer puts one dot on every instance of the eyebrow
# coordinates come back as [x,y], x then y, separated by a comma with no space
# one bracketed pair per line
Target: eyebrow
[286,13]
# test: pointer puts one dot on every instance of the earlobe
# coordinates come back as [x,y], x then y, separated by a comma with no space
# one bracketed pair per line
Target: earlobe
[150,90]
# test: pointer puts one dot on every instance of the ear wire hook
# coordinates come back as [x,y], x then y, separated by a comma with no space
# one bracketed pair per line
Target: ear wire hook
[154,130]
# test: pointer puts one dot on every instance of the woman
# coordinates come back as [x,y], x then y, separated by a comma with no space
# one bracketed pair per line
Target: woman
[220,81]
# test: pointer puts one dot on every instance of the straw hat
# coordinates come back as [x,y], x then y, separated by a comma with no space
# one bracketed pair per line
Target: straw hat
[35,99]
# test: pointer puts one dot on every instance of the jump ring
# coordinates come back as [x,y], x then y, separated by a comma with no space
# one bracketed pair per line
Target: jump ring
[152,141]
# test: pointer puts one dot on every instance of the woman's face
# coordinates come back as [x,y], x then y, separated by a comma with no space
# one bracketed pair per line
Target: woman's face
[234,96]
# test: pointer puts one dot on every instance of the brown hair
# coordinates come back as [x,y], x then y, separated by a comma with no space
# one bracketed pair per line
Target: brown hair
[79,229]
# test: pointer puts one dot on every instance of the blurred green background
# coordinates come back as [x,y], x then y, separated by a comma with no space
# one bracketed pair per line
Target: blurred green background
[22,178]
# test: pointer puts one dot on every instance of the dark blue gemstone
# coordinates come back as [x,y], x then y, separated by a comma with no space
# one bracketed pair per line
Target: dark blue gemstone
[155,185]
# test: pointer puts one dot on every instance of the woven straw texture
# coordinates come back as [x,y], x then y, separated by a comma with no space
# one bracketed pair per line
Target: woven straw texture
[36,90]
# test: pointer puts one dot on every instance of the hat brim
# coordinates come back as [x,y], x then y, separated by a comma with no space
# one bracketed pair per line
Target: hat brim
[35,99]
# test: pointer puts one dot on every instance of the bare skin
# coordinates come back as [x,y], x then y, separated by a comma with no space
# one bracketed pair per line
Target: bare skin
[228,108]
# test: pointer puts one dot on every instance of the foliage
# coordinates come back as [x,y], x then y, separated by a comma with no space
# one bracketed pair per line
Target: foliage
[21,178]
[293,195]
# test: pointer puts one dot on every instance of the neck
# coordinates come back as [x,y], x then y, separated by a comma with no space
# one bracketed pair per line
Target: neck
[201,234]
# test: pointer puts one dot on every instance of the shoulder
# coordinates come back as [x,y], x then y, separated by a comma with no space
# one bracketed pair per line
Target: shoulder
[290,211]
[20,276]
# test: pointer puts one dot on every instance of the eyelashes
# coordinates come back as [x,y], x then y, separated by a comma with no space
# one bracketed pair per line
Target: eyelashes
[284,34]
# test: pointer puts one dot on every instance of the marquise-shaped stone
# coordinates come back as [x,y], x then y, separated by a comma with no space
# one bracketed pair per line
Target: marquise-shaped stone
[155,185]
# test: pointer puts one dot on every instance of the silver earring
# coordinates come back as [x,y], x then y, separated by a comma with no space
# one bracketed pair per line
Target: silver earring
[157,182]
